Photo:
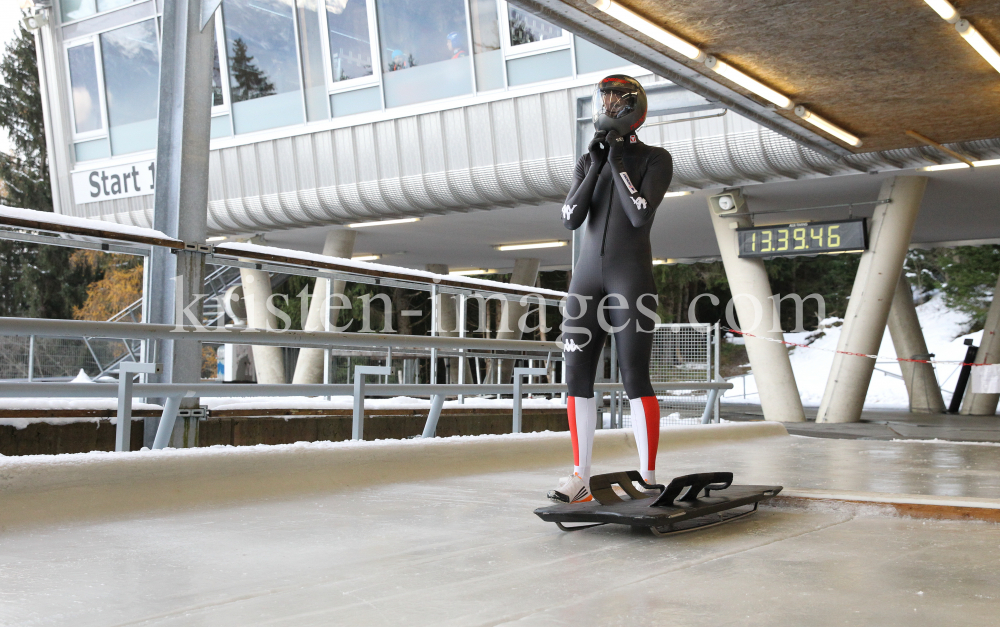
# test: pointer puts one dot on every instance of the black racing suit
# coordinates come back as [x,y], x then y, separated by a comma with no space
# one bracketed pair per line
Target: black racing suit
[619,189]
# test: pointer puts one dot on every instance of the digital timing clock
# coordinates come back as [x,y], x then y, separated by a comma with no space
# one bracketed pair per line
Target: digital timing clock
[807,238]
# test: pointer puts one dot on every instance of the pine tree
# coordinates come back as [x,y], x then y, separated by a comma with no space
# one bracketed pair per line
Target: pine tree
[251,81]
[35,281]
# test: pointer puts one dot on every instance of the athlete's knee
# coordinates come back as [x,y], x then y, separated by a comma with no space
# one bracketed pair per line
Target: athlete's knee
[636,382]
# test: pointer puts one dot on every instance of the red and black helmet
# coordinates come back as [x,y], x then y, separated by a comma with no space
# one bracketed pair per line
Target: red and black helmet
[619,104]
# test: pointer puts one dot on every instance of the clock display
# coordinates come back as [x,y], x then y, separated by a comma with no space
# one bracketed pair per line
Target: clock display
[806,238]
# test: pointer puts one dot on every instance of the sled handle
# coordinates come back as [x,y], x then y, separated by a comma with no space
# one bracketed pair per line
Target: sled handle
[695,483]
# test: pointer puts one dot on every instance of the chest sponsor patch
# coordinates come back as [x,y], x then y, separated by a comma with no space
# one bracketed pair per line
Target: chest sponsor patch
[633,139]
[628,182]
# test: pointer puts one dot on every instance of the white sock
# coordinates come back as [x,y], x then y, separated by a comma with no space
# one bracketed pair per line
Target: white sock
[646,427]
[582,414]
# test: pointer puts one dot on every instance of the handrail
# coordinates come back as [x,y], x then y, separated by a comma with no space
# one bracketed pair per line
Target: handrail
[297,339]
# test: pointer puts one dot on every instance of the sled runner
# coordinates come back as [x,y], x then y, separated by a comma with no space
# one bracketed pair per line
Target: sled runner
[688,503]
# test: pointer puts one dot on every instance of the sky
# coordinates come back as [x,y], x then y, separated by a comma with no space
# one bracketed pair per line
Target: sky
[10,14]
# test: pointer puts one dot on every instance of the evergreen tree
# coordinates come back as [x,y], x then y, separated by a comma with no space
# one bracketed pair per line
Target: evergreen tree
[35,281]
[251,81]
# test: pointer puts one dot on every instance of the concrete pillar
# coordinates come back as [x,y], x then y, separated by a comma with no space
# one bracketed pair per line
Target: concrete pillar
[872,294]
[525,273]
[309,367]
[269,361]
[447,319]
[751,289]
[988,353]
[904,327]
[180,202]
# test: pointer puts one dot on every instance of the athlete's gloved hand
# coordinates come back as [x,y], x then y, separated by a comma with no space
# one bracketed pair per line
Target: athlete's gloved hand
[617,146]
[598,148]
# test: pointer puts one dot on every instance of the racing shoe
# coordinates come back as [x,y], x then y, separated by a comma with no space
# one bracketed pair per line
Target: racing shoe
[571,489]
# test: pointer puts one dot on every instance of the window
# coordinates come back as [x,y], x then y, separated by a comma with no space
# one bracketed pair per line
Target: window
[311,52]
[486,50]
[84,89]
[78,9]
[535,49]
[424,50]
[524,28]
[263,64]
[131,61]
[350,39]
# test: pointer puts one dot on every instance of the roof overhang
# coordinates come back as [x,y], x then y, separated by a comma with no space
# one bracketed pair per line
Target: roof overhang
[877,69]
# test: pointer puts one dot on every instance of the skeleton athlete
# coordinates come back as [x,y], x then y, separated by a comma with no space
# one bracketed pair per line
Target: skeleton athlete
[618,185]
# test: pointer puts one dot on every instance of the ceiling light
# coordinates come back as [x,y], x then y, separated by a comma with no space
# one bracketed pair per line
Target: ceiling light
[469,272]
[529,246]
[649,29]
[661,262]
[983,47]
[943,166]
[217,238]
[358,225]
[827,126]
[944,9]
[747,83]
[958,166]
[676,194]
[366,258]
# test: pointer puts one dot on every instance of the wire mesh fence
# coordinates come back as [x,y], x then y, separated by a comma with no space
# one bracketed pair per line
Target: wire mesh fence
[61,358]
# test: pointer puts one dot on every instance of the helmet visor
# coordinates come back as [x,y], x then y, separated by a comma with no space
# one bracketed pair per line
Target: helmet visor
[615,102]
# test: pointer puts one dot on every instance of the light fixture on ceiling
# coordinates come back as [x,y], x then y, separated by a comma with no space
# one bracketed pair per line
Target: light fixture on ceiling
[750,84]
[676,194]
[827,127]
[957,166]
[664,262]
[217,238]
[649,29]
[977,41]
[945,10]
[530,245]
[366,258]
[358,225]
[471,272]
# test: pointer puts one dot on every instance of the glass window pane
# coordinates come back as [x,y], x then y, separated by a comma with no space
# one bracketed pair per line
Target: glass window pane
[94,149]
[263,66]
[83,84]
[525,28]
[311,50]
[76,9]
[357,101]
[131,82]
[591,58]
[486,44]
[107,5]
[424,45]
[539,67]
[350,48]
[217,95]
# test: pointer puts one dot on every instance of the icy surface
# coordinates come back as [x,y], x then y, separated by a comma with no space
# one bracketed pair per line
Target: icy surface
[943,330]
[444,551]
[71,221]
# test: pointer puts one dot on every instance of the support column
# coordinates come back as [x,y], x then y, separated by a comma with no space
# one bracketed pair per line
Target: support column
[751,289]
[180,203]
[309,367]
[525,273]
[269,361]
[447,319]
[871,296]
[988,353]
[908,339]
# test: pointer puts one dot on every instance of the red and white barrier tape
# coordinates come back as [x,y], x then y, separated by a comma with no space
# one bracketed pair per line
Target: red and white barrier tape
[830,350]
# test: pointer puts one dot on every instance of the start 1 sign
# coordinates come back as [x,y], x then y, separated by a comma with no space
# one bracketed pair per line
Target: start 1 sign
[115,181]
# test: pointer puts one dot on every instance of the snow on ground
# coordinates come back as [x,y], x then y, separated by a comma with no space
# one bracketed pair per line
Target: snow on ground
[943,330]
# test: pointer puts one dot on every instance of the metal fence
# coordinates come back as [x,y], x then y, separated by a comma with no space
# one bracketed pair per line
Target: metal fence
[24,358]
[681,352]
